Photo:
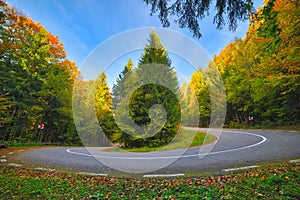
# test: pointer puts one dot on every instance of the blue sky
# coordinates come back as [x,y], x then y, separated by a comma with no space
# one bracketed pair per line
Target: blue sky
[81,25]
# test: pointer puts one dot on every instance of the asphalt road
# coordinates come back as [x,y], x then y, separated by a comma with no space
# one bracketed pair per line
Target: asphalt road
[234,148]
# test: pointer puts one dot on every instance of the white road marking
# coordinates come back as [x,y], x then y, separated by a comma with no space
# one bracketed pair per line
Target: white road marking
[10,153]
[162,175]
[3,160]
[3,156]
[14,165]
[240,168]
[294,161]
[92,174]
[263,140]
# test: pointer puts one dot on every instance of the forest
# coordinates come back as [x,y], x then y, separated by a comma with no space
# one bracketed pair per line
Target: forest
[261,71]
[260,74]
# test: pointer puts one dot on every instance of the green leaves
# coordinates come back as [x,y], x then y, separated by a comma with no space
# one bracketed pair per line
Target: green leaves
[138,90]
[103,104]
[197,95]
[260,72]
[37,80]
[188,14]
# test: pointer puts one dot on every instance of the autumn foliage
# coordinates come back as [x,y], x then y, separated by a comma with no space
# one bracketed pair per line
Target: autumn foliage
[261,71]
[36,81]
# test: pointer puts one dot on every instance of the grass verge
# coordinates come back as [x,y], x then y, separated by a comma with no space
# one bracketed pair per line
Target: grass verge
[34,144]
[185,138]
[273,181]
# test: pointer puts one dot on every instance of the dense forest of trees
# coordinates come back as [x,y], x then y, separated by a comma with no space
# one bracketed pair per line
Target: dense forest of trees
[126,115]
[260,74]
[261,71]
[36,81]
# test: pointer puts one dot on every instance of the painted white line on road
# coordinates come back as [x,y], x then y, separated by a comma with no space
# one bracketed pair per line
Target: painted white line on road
[3,156]
[77,153]
[14,165]
[240,168]
[92,174]
[161,175]
[263,140]
[3,160]
[10,153]
[294,161]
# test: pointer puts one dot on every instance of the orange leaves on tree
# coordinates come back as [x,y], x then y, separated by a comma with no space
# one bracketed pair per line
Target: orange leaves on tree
[56,47]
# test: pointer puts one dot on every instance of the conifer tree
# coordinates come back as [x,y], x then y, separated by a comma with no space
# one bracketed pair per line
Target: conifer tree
[103,104]
[159,86]
[119,90]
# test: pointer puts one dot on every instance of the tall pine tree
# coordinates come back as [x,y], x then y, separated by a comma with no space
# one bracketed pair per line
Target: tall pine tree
[121,94]
[120,89]
[103,103]
[159,86]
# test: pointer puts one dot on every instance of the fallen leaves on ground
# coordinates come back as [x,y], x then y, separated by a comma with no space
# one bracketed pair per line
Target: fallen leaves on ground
[277,181]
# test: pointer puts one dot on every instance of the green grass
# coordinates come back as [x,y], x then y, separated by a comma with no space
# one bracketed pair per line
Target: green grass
[273,181]
[244,125]
[184,139]
[34,144]
[21,144]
